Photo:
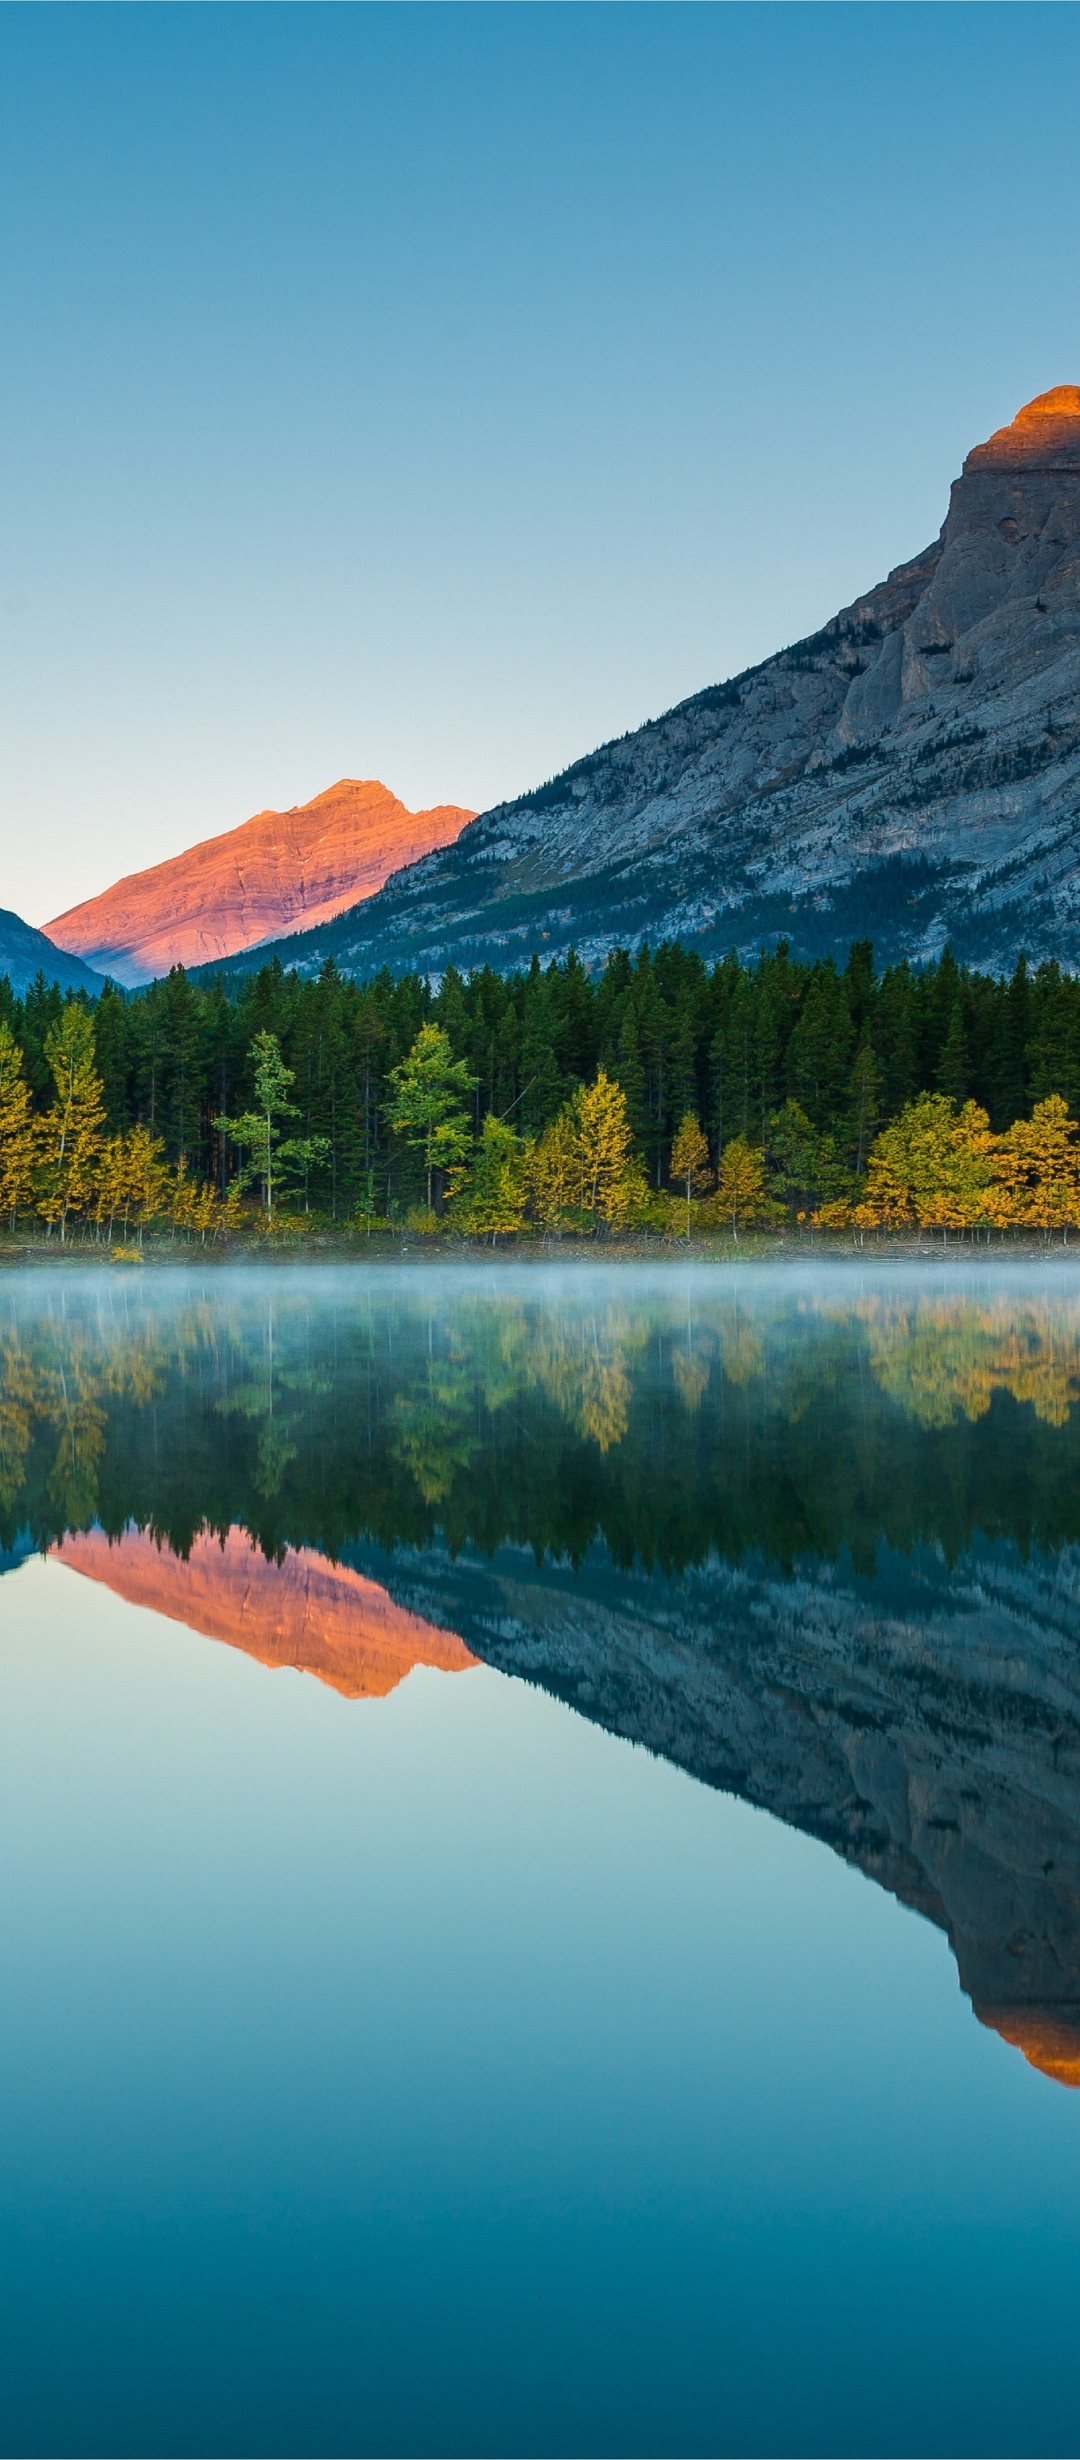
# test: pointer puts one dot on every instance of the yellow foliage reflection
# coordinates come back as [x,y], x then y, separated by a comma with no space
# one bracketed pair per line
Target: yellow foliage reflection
[944,1359]
[581,1359]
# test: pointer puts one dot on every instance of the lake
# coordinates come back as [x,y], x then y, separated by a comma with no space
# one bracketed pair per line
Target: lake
[541,1861]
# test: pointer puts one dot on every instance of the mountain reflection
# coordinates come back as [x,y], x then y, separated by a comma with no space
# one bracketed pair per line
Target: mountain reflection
[816,1542]
[320,1618]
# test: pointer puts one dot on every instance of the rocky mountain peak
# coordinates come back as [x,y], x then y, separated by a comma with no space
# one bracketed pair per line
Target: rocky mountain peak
[280,872]
[908,774]
[1044,435]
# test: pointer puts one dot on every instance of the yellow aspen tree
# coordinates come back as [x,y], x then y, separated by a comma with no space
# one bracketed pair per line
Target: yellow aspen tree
[690,1161]
[71,1132]
[112,1183]
[17,1139]
[191,1204]
[1039,1170]
[608,1185]
[205,1213]
[970,1180]
[740,1190]
[929,1167]
[147,1177]
[553,1174]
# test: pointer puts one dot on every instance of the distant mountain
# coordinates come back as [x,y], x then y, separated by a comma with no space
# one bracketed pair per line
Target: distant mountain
[910,773]
[273,875]
[25,953]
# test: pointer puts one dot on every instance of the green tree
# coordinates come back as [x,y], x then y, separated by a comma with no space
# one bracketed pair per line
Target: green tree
[953,1072]
[256,1131]
[429,1104]
[492,1201]
[807,1169]
[863,1105]
[819,1053]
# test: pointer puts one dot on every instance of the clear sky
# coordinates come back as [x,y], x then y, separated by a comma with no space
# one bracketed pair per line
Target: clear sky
[431,392]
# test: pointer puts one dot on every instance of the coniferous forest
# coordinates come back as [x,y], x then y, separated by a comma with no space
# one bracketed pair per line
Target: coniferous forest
[749,1092]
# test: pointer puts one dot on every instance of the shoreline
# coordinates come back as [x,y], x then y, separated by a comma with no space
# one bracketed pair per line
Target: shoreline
[386,1254]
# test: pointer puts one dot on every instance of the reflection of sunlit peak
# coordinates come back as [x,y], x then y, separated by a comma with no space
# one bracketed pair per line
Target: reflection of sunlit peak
[319,1617]
[1049,2040]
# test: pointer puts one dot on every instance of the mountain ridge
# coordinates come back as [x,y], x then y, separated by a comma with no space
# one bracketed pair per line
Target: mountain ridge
[910,773]
[26,953]
[210,902]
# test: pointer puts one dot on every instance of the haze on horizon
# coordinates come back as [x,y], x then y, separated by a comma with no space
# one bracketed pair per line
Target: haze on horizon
[432,394]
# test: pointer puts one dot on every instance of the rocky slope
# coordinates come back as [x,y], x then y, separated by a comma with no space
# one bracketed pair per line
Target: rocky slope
[277,873]
[25,953]
[319,1617]
[924,1724]
[910,773]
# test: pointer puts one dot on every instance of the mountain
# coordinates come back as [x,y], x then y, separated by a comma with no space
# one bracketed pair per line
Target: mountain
[25,953]
[269,877]
[924,1723]
[910,773]
[319,1617]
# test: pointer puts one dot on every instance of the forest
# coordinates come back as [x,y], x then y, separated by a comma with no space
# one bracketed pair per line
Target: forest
[656,1094]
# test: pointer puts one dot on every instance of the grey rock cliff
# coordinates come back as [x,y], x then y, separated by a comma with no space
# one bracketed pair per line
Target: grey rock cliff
[910,773]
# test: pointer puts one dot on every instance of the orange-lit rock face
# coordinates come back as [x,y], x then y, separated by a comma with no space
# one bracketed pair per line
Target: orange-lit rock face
[316,1616]
[1045,435]
[1048,2040]
[280,872]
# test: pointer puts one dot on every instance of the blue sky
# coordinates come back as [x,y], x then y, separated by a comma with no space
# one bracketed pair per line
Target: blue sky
[430,392]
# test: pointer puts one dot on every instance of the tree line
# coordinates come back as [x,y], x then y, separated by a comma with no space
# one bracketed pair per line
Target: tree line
[655,1092]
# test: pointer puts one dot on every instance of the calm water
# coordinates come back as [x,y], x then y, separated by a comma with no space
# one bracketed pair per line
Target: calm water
[540,1863]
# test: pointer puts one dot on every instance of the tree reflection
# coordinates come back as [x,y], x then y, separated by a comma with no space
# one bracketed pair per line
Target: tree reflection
[940,1361]
[669,1426]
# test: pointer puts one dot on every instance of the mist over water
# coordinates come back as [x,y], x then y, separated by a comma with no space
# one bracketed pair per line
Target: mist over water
[449,1721]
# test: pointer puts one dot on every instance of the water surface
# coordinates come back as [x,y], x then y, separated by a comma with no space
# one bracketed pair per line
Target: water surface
[541,1862]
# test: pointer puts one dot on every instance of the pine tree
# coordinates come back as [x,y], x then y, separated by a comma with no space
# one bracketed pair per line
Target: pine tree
[952,1070]
[819,1053]
[808,1170]
[863,1105]
[492,1202]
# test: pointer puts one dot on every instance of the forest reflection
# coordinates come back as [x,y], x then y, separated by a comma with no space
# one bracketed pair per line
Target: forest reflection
[670,1422]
